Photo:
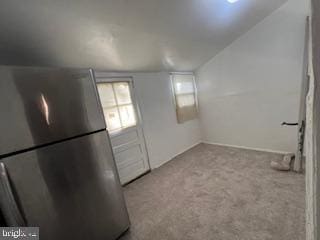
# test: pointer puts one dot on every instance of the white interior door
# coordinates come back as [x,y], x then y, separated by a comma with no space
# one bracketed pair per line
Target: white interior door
[124,124]
[298,166]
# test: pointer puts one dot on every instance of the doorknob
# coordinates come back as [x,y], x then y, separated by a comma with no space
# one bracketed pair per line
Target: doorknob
[289,124]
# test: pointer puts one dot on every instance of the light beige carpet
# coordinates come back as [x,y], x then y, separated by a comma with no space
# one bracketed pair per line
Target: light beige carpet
[217,193]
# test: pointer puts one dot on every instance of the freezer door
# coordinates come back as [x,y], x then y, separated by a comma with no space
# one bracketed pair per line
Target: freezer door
[43,105]
[71,190]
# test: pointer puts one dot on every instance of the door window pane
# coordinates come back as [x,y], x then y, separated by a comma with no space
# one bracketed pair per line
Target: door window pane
[117,105]
[122,92]
[107,97]
[127,115]
[112,118]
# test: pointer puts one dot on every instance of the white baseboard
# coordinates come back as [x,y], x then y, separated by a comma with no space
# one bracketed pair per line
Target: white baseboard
[247,148]
[219,144]
[193,145]
[179,153]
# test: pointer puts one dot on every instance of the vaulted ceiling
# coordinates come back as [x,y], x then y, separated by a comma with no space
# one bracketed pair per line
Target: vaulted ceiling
[124,35]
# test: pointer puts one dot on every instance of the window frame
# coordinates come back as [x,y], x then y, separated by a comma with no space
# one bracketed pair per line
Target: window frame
[129,80]
[172,74]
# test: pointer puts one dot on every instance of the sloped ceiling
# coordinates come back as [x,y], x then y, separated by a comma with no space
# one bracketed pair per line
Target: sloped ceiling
[124,35]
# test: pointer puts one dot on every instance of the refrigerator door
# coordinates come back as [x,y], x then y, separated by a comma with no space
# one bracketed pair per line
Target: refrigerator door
[43,105]
[71,190]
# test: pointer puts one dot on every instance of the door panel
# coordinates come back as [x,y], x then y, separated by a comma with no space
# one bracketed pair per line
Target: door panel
[127,143]
[127,155]
[130,154]
[70,190]
[129,172]
[42,105]
[131,136]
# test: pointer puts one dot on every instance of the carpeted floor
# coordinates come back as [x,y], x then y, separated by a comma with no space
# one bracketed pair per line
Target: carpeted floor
[217,193]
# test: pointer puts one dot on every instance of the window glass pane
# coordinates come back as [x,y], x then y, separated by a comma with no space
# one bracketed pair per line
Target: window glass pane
[117,105]
[112,118]
[185,96]
[185,100]
[122,92]
[128,117]
[106,95]
[183,84]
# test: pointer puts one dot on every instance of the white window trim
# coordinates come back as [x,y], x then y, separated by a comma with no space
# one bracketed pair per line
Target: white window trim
[172,74]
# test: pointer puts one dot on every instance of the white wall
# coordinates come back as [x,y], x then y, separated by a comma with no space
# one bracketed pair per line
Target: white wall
[248,89]
[165,138]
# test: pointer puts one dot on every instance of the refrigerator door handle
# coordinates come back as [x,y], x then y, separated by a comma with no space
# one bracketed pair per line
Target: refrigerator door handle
[9,206]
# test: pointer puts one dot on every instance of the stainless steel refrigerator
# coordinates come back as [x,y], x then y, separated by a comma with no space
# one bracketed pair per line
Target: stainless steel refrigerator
[57,170]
